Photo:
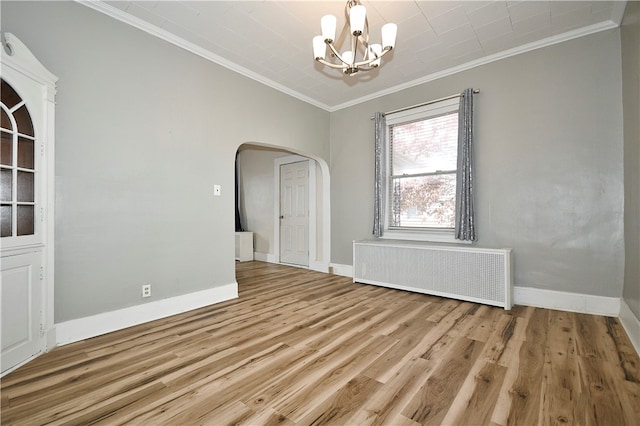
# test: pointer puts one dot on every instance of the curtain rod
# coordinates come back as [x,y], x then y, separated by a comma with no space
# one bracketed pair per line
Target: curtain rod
[446,98]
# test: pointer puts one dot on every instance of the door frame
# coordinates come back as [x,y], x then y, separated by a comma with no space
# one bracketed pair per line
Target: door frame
[298,167]
[313,228]
[21,68]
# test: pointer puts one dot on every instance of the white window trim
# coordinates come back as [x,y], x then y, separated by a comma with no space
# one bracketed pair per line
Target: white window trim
[419,234]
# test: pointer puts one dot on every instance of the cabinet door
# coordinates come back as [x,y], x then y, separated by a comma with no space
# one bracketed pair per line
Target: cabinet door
[21,300]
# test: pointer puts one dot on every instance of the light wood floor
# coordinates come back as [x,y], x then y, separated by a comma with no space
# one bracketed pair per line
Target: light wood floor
[301,347]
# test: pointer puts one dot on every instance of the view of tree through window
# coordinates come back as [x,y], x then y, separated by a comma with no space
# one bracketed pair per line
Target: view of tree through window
[423,172]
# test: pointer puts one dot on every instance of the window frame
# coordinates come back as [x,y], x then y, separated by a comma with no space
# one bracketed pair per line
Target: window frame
[409,115]
[35,237]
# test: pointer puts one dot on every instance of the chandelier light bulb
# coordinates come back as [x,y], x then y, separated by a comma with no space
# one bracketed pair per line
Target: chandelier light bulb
[357,15]
[328,25]
[347,56]
[389,32]
[319,47]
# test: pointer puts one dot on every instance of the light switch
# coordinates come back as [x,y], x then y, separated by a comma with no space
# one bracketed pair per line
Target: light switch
[216,190]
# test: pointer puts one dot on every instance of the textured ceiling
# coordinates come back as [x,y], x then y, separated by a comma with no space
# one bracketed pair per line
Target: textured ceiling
[270,41]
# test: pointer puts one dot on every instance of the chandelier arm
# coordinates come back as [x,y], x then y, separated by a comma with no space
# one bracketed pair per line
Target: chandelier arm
[335,52]
[369,61]
[329,64]
[354,48]
[365,38]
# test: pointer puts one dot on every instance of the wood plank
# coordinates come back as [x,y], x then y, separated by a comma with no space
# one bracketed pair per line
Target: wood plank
[340,405]
[298,406]
[301,375]
[561,371]
[511,360]
[623,350]
[388,365]
[526,391]
[598,397]
[267,417]
[476,399]
[385,406]
[430,404]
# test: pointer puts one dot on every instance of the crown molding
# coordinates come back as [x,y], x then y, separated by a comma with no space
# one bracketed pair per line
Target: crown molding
[549,41]
[618,11]
[153,30]
[120,15]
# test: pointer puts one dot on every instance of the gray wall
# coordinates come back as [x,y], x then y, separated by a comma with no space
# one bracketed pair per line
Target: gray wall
[143,132]
[630,36]
[549,149]
[257,194]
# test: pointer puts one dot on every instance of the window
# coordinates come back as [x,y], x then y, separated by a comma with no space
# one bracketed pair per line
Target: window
[17,166]
[422,153]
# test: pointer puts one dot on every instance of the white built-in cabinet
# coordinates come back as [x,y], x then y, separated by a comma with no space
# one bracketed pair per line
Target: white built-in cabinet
[26,205]
[244,246]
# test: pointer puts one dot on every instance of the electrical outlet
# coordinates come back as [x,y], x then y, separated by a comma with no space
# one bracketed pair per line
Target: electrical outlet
[146,290]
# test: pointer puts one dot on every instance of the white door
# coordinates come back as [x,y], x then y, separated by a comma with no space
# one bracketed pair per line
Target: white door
[294,213]
[26,198]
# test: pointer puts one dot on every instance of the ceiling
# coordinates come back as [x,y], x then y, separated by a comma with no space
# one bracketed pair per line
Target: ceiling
[270,41]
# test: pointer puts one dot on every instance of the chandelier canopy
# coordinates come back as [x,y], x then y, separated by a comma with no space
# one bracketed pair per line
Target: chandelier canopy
[361,56]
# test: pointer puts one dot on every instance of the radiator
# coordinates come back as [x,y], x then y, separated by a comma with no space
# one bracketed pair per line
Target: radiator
[466,273]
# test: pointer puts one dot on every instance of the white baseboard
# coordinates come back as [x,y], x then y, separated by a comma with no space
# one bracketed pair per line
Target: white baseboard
[631,324]
[270,258]
[564,301]
[550,299]
[95,325]
[50,339]
[319,266]
[265,257]
[338,269]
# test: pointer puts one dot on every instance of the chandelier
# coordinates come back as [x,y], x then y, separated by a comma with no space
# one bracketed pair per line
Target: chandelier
[361,56]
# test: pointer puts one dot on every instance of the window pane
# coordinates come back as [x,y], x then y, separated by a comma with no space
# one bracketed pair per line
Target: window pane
[9,96]
[425,146]
[25,187]
[424,202]
[6,153]
[23,121]
[5,122]
[6,184]
[25,153]
[25,220]
[5,221]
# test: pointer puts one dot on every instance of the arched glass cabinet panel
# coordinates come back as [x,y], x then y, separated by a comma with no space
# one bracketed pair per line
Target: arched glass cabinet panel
[17,166]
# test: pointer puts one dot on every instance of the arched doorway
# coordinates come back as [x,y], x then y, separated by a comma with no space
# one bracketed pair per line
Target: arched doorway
[260,199]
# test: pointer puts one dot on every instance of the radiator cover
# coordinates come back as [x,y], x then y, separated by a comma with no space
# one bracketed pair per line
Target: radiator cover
[466,273]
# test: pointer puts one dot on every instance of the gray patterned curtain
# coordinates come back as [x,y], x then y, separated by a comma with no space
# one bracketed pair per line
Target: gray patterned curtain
[465,211]
[379,170]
